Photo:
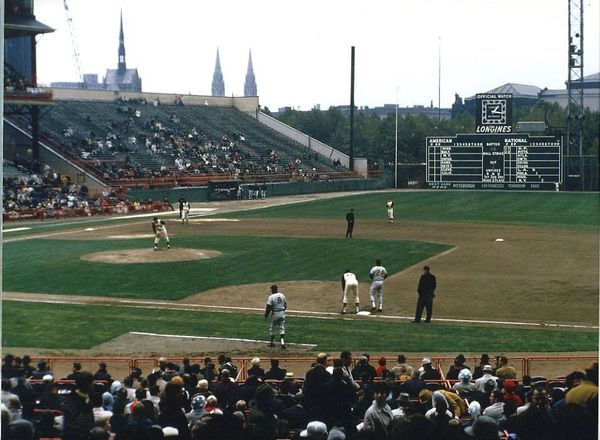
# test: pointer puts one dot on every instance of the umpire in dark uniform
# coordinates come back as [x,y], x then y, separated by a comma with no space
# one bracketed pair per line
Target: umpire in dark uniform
[350,223]
[426,291]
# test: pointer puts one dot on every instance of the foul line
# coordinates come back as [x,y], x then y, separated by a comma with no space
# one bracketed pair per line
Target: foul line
[162,305]
[214,338]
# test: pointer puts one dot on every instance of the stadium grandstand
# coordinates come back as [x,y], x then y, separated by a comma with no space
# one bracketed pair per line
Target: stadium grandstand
[235,398]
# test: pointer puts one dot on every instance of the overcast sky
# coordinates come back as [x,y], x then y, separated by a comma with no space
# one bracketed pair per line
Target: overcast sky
[301,49]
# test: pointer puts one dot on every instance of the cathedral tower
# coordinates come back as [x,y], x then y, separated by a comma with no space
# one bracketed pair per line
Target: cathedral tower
[218,86]
[250,84]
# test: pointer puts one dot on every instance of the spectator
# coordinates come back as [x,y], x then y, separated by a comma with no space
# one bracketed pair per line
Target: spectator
[78,414]
[428,372]
[535,422]
[381,370]
[171,410]
[256,370]
[8,366]
[465,387]
[261,419]
[226,391]
[496,409]
[505,371]
[341,395]
[484,428]
[456,367]
[76,368]
[197,412]
[102,373]
[379,415]
[487,375]
[315,431]
[41,370]
[484,360]
[363,369]
[275,373]
[313,383]
[296,415]
[402,368]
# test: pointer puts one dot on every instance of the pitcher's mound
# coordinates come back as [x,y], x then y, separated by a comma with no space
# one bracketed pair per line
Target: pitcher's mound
[149,255]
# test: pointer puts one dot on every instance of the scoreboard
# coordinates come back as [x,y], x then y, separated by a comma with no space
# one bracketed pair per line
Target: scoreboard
[494,161]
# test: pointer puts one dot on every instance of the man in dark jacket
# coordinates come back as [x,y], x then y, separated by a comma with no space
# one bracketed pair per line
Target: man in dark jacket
[426,291]
[78,409]
[313,386]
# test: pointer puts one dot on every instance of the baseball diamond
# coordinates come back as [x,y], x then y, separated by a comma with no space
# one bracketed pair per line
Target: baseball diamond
[526,283]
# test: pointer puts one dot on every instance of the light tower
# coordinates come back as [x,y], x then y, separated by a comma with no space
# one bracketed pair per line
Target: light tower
[574,141]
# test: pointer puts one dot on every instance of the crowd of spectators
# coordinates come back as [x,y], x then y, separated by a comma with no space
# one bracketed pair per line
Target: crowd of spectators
[38,191]
[337,399]
[139,144]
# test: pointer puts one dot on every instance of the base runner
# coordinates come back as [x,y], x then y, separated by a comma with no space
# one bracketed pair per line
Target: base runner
[160,231]
[350,288]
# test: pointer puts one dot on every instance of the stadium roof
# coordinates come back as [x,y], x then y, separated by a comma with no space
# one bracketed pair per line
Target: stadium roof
[517,90]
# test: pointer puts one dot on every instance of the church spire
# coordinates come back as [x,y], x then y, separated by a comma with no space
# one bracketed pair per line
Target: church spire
[218,85]
[122,65]
[250,84]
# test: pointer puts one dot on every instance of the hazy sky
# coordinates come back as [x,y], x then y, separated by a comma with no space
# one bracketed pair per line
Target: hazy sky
[301,49]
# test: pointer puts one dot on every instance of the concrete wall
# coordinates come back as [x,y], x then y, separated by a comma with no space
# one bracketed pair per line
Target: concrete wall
[360,164]
[246,104]
[200,194]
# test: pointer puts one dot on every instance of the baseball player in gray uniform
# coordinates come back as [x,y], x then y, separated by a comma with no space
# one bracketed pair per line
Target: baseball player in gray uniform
[160,231]
[276,305]
[350,288]
[378,273]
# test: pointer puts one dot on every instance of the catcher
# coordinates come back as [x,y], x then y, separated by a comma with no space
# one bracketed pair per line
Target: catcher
[160,231]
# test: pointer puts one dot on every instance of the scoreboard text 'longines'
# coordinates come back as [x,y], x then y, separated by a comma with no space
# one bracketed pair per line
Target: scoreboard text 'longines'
[494,161]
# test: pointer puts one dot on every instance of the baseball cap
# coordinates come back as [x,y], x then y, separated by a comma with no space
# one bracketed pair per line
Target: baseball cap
[314,430]
[289,375]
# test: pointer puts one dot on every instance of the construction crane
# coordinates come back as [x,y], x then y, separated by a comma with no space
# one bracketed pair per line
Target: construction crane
[74,44]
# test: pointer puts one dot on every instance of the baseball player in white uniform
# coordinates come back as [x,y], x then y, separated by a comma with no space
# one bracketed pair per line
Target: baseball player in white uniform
[390,211]
[185,212]
[160,231]
[378,273]
[350,288]
[276,305]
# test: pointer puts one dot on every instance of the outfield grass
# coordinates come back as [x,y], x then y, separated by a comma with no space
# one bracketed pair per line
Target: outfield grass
[54,266]
[572,210]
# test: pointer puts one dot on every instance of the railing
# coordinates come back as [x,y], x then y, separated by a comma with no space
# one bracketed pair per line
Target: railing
[561,365]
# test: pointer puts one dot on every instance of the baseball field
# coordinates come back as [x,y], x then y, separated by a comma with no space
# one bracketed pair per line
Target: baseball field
[517,273]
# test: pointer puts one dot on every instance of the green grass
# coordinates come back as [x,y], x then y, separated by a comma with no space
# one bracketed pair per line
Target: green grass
[54,326]
[54,266]
[573,210]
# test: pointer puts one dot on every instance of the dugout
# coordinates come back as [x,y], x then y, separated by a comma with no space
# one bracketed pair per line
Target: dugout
[223,189]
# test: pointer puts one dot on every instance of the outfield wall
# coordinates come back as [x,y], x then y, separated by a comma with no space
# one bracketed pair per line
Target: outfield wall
[201,194]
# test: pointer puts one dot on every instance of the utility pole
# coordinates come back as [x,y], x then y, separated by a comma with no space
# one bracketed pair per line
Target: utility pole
[351,150]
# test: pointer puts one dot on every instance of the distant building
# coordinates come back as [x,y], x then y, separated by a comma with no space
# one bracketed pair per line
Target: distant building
[591,93]
[250,84]
[122,78]
[218,85]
